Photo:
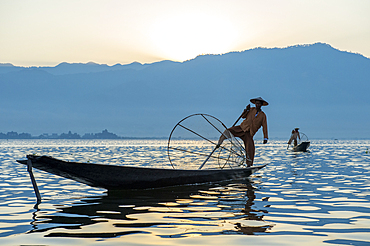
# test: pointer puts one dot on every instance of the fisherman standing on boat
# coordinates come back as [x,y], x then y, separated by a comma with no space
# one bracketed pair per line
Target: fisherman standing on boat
[254,118]
[293,137]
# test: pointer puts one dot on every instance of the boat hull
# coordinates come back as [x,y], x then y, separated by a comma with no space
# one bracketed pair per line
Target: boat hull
[301,147]
[112,177]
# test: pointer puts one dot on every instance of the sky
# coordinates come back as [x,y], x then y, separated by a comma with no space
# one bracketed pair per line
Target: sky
[48,32]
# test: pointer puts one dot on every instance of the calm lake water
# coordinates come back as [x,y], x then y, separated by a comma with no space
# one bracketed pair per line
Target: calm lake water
[321,197]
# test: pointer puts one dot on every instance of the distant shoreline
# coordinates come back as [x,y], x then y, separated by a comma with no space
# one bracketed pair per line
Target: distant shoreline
[105,134]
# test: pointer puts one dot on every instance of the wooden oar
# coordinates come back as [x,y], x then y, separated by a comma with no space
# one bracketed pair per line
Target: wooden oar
[240,116]
[209,156]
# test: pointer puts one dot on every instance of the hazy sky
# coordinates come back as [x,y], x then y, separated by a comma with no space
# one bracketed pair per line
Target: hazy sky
[48,32]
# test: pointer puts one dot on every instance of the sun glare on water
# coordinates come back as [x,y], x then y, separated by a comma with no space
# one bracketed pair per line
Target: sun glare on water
[184,37]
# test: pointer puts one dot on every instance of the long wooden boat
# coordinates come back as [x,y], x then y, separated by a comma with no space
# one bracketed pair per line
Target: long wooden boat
[301,147]
[113,177]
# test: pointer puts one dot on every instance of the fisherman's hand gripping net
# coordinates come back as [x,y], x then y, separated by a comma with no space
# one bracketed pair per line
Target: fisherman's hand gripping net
[195,137]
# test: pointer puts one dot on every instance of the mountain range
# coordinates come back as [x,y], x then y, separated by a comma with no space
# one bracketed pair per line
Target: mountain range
[321,90]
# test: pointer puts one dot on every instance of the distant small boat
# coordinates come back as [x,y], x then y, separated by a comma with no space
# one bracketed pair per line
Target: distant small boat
[301,147]
[112,177]
[303,143]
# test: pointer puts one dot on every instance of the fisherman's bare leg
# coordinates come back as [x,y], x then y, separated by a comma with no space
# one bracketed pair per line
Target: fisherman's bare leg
[249,148]
[251,151]
[226,134]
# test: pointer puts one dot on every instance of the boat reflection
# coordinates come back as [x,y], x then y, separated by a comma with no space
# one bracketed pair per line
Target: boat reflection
[206,209]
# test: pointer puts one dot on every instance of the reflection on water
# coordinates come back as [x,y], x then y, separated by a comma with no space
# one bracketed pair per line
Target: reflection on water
[176,211]
[320,197]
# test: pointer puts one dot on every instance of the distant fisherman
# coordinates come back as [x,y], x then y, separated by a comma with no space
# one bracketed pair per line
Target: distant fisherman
[293,137]
[254,118]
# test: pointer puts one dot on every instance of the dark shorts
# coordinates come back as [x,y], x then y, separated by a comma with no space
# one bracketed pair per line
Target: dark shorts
[237,131]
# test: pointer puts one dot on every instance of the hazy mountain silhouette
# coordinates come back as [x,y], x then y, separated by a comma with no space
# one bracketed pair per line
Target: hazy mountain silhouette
[74,68]
[322,90]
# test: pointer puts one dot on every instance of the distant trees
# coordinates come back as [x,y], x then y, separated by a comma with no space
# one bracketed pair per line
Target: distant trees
[69,135]
[15,135]
[103,135]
